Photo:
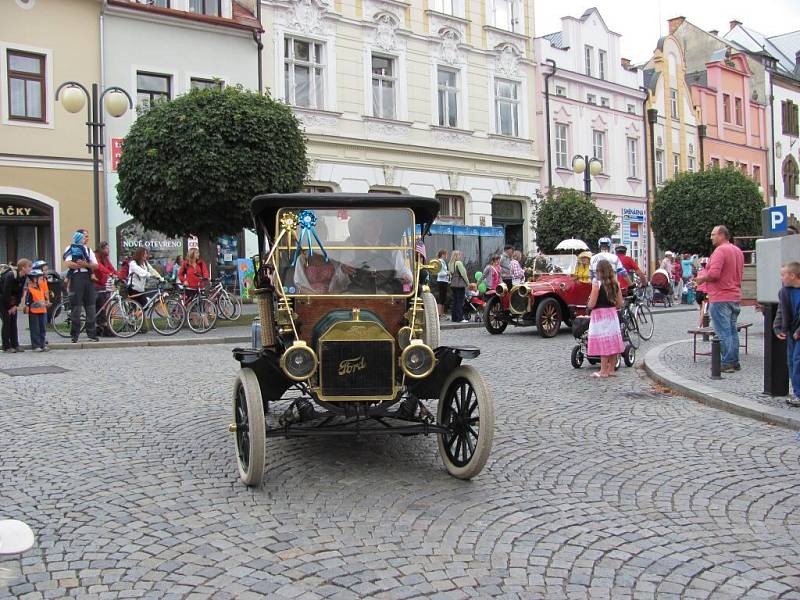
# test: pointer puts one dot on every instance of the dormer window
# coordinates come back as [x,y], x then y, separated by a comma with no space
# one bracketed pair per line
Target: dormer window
[212,8]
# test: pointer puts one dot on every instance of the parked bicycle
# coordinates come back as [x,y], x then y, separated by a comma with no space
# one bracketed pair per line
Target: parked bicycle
[638,317]
[116,308]
[166,313]
[201,313]
[229,306]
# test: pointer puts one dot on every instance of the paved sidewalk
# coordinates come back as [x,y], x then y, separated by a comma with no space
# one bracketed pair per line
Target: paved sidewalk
[671,365]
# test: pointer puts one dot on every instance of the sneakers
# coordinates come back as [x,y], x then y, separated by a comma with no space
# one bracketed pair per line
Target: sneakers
[728,369]
[74,340]
[94,339]
[793,401]
[18,349]
[737,366]
[9,350]
[465,320]
[38,349]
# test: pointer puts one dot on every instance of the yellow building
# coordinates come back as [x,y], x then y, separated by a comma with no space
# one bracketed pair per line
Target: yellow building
[45,168]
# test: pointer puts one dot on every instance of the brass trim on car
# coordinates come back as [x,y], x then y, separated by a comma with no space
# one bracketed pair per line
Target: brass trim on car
[523,290]
[356,331]
[298,344]
[415,344]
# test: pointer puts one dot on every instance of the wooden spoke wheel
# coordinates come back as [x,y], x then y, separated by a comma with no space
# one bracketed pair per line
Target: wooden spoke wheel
[249,437]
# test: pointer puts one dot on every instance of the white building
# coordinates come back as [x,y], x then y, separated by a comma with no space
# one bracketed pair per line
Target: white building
[780,56]
[158,50]
[431,98]
[595,110]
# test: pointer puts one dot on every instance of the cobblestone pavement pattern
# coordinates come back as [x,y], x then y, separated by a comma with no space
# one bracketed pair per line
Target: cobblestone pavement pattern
[594,489]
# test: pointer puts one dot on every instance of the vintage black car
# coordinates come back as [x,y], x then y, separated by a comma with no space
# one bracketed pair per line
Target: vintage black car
[349,340]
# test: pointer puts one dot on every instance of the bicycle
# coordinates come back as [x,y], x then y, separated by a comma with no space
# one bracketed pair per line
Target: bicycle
[228,306]
[119,314]
[639,317]
[167,314]
[201,313]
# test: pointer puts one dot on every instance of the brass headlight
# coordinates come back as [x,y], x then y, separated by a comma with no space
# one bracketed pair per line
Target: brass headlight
[404,337]
[299,362]
[519,299]
[501,289]
[417,360]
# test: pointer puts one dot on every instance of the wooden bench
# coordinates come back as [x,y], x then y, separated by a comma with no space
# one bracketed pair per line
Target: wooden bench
[708,331]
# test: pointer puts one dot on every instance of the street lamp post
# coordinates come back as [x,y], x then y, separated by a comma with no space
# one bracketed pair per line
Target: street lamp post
[595,167]
[117,102]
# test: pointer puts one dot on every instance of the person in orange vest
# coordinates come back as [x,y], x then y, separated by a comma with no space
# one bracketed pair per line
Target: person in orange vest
[36,302]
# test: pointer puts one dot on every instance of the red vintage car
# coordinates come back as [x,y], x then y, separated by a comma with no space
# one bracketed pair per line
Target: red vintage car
[552,296]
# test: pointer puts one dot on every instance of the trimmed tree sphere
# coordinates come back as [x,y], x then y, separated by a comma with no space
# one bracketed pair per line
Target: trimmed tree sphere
[192,165]
[566,213]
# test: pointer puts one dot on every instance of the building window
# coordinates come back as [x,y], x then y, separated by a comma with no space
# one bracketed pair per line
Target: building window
[506,14]
[212,8]
[384,80]
[757,174]
[591,98]
[676,163]
[633,159]
[601,63]
[715,163]
[673,103]
[726,108]
[605,102]
[303,72]
[448,7]
[160,3]
[26,86]
[561,91]
[506,107]
[588,51]
[632,109]
[447,97]
[790,175]
[562,131]
[451,208]
[317,189]
[198,83]
[598,147]
[737,103]
[743,169]
[152,88]
[659,167]
[789,118]
[690,164]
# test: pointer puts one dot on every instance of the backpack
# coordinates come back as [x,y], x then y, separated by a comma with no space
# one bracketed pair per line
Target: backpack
[4,269]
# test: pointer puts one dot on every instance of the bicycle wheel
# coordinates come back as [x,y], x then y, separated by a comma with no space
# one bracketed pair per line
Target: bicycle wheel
[61,319]
[229,307]
[125,318]
[644,317]
[167,316]
[201,315]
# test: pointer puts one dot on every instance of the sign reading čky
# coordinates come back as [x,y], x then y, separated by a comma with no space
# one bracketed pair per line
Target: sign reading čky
[774,221]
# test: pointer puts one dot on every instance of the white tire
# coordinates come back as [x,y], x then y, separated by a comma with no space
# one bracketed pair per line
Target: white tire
[249,440]
[430,321]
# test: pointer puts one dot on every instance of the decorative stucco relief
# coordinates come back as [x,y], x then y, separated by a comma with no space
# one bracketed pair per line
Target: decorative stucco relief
[307,16]
[506,60]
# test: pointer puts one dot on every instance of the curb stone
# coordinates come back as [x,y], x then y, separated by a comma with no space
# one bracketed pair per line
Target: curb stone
[659,372]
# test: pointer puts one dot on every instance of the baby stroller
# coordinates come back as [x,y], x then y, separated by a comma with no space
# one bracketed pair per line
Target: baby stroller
[580,331]
[661,283]
[473,308]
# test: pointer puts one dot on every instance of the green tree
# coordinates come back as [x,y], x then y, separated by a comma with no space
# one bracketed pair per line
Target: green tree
[192,165]
[566,213]
[690,205]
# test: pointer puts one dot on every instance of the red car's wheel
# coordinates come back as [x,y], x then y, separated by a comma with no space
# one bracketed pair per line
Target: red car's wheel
[494,318]
[548,317]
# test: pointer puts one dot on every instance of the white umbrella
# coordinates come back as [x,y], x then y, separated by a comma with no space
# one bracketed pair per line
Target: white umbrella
[572,244]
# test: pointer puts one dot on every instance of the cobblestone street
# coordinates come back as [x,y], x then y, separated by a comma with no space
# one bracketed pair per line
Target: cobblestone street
[609,488]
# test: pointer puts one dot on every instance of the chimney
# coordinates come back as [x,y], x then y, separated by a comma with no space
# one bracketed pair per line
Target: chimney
[674,23]
[714,32]
[734,23]
[626,63]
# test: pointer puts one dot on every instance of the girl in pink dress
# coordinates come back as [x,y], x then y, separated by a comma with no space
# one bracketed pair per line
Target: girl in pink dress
[605,336]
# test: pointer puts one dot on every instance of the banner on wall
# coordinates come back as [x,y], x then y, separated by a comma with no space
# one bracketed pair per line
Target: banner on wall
[246,274]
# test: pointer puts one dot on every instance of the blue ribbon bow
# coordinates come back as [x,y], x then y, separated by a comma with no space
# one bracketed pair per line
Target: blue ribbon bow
[308,221]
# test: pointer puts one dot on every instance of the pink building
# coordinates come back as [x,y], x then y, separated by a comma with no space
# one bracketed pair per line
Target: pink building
[736,132]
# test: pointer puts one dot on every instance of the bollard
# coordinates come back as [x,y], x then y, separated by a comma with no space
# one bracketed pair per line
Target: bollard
[716,359]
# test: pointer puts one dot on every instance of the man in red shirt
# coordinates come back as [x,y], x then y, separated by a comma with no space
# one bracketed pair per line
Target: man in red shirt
[629,264]
[723,281]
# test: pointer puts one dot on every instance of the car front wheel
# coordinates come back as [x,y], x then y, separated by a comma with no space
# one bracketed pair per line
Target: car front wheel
[493,318]
[249,435]
[548,317]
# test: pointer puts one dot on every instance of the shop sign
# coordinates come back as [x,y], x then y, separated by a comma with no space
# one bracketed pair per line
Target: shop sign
[116,153]
[16,211]
[632,224]
[162,249]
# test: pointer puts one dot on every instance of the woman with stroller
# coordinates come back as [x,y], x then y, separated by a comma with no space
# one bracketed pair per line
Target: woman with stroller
[458,284]
[605,336]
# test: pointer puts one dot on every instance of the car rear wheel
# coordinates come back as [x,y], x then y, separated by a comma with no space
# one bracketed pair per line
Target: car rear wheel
[493,318]
[466,409]
[249,438]
[548,317]
[430,323]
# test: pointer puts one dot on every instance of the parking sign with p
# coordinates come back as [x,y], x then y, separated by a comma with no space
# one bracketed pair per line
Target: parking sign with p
[774,221]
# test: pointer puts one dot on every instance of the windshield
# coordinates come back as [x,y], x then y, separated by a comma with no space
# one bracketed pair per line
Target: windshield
[555,263]
[369,252]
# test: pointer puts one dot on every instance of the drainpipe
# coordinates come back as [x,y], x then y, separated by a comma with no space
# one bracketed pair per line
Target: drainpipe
[547,77]
[103,129]
[702,131]
[774,189]
[652,117]
[260,46]
[647,182]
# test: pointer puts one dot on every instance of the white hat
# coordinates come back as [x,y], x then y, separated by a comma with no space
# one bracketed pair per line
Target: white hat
[669,253]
